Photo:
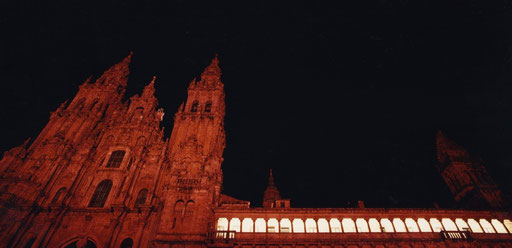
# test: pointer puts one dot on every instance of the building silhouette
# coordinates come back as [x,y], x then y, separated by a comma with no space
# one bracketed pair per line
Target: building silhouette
[101,174]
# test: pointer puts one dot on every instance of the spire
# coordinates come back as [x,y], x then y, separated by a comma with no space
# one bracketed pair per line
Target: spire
[211,74]
[117,74]
[149,90]
[271,193]
[447,147]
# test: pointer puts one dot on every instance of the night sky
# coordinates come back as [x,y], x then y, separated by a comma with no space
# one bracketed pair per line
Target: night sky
[342,101]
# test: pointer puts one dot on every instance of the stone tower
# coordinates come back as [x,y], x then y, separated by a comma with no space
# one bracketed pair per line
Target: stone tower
[271,196]
[192,186]
[466,177]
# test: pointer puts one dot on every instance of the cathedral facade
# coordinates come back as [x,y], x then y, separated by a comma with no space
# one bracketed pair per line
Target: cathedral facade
[102,174]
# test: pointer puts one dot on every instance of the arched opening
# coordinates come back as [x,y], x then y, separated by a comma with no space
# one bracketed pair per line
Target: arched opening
[208,107]
[127,243]
[436,225]
[101,194]
[247,225]
[386,225]
[462,225]
[448,224]
[88,244]
[311,226]
[399,225]
[424,225]
[374,225]
[179,206]
[234,225]
[286,226]
[486,226]
[115,159]
[508,225]
[335,225]
[362,226]
[475,227]
[411,225]
[58,196]
[195,104]
[141,197]
[189,209]
[272,225]
[260,226]
[498,226]
[222,224]
[348,225]
[323,226]
[298,226]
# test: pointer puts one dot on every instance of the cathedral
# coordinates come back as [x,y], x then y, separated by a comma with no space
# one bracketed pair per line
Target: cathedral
[102,174]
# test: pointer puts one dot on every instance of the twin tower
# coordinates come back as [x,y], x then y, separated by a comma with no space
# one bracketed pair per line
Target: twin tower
[101,173]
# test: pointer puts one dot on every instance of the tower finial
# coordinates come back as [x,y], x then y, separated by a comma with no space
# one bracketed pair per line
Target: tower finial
[271,193]
[211,74]
[117,74]
[149,90]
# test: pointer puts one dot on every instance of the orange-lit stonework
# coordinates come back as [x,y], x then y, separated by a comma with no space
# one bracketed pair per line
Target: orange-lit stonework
[101,174]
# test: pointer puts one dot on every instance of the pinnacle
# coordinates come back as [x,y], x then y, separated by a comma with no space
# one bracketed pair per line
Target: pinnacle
[213,69]
[149,90]
[118,73]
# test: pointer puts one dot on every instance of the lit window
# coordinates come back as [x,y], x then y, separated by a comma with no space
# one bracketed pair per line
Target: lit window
[424,226]
[247,225]
[399,225]
[475,227]
[348,225]
[273,225]
[386,225]
[260,226]
[335,225]
[286,226]
[462,225]
[436,225]
[486,226]
[411,225]
[362,226]
[374,225]
[298,226]
[222,224]
[500,228]
[449,225]
[234,225]
[323,226]
[310,226]
[508,225]
[115,159]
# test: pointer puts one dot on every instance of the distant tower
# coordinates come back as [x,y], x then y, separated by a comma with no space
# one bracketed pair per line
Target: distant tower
[195,148]
[271,197]
[467,177]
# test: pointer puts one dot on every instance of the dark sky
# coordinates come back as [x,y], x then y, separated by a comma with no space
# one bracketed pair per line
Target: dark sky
[342,101]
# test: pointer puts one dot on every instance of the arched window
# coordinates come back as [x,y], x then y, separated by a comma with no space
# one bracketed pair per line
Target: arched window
[222,224]
[127,243]
[335,225]
[399,225]
[374,225]
[424,226]
[298,226]
[94,103]
[208,107]
[386,225]
[137,114]
[411,225]
[461,224]
[500,228]
[141,197]
[195,104]
[115,159]
[436,225]
[88,244]
[272,225]
[234,225]
[80,104]
[247,225]
[101,194]
[311,226]
[178,209]
[475,227]
[286,226]
[508,225]
[348,225]
[260,225]
[58,195]
[189,208]
[362,226]
[486,226]
[448,224]
[323,226]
